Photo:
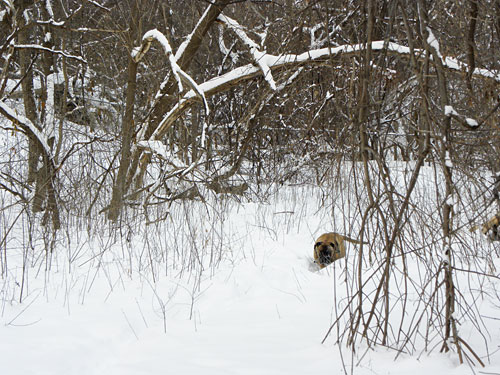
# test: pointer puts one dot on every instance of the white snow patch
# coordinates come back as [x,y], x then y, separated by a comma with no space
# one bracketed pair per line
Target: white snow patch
[432,41]
[447,159]
[449,111]
[48,7]
[471,122]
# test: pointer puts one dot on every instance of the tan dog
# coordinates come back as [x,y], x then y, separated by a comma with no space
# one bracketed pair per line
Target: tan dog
[329,247]
[491,228]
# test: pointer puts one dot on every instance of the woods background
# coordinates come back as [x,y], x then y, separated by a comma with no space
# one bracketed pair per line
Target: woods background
[113,111]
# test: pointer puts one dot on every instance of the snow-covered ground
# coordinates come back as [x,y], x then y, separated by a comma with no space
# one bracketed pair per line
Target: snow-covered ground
[253,304]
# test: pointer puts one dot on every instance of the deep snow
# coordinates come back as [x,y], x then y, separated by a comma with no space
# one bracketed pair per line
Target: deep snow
[262,310]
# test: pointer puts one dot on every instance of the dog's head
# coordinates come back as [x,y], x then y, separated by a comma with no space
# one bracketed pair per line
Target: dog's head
[326,252]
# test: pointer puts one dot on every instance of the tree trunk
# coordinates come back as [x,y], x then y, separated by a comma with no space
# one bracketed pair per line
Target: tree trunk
[127,132]
[26,61]
[141,160]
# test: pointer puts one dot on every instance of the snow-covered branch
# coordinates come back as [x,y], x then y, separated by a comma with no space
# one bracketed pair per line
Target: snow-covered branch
[48,8]
[139,52]
[182,48]
[50,128]
[191,43]
[57,52]
[246,72]
[227,52]
[96,4]
[260,58]
[179,74]
[27,126]
[467,122]
[433,42]
[194,86]
[454,64]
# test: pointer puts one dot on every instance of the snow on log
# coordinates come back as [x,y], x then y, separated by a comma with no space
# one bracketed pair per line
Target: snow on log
[194,86]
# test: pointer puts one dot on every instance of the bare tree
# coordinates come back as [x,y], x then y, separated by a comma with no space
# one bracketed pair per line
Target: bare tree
[126,111]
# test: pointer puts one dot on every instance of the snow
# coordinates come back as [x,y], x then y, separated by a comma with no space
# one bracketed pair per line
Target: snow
[27,16]
[139,52]
[263,62]
[100,6]
[447,158]
[158,147]
[48,7]
[449,110]
[273,61]
[471,122]
[238,29]
[185,43]
[196,88]
[11,114]
[204,134]
[263,310]
[42,48]
[224,50]
[261,58]
[50,125]
[290,79]
[433,42]
[267,61]
[160,38]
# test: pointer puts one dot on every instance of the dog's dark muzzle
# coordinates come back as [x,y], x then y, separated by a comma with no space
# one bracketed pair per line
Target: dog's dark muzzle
[325,256]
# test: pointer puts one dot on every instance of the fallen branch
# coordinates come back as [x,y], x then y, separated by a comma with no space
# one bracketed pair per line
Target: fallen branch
[247,72]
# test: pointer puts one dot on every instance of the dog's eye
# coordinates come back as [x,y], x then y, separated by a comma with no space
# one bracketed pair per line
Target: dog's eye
[317,244]
[332,244]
